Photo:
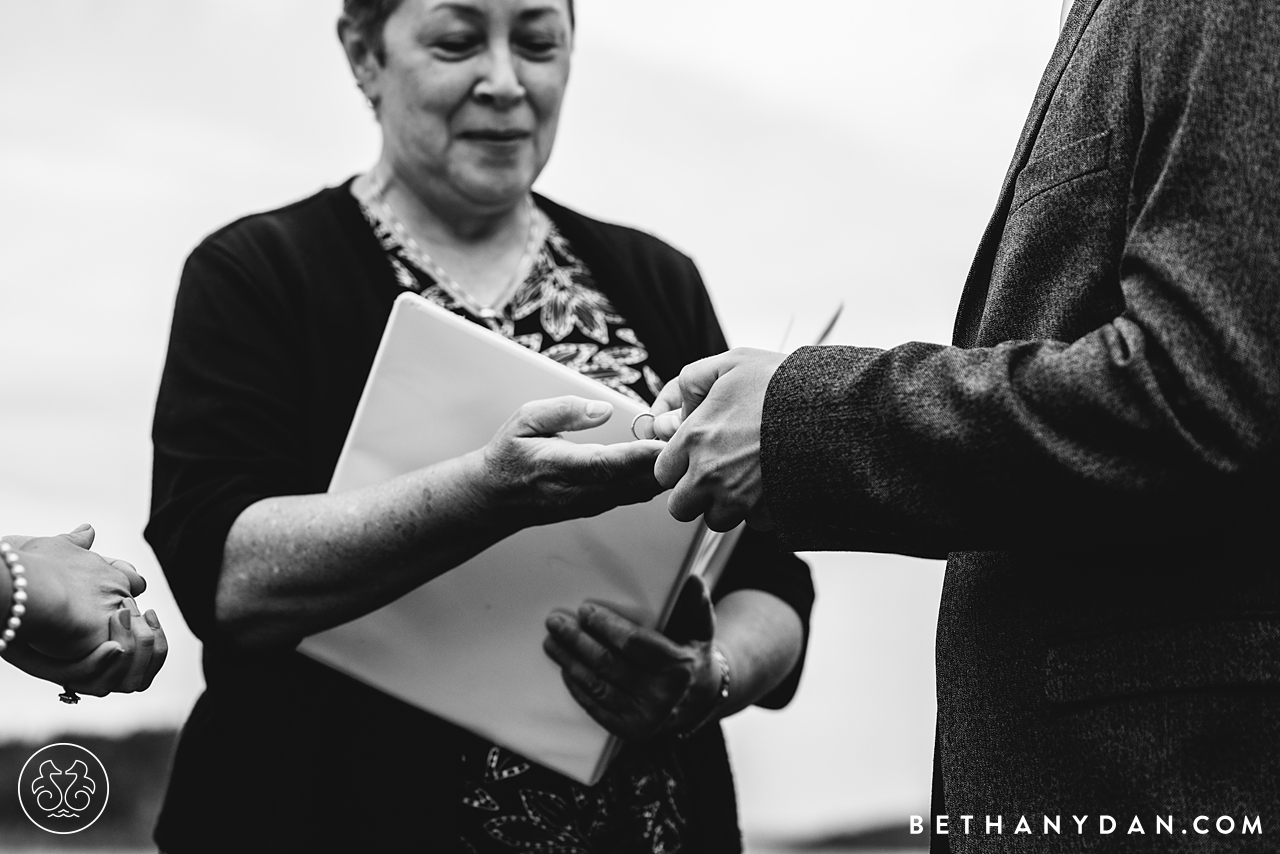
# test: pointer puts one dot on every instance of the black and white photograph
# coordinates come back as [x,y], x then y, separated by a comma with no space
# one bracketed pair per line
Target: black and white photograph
[639,426]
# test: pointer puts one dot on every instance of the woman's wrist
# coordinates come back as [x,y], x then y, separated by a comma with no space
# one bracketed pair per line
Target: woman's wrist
[501,499]
[15,597]
[6,590]
[486,496]
[714,695]
[44,601]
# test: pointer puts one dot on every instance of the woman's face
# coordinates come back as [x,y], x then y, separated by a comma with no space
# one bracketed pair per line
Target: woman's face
[469,95]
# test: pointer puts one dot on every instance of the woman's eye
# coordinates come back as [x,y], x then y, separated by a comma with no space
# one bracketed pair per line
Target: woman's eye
[456,45]
[538,47]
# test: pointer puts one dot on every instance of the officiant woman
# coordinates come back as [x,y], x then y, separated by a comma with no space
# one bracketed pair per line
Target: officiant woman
[277,320]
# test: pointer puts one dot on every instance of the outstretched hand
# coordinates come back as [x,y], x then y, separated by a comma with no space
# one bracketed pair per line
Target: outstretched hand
[636,682]
[711,414]
[538,477]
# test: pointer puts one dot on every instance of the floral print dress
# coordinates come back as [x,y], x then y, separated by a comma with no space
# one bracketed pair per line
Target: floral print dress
[506,802]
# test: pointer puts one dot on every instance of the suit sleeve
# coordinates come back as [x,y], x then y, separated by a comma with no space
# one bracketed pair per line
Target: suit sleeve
[1159,424]
[227,429]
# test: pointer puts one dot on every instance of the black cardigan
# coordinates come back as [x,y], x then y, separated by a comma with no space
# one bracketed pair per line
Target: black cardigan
[275,328]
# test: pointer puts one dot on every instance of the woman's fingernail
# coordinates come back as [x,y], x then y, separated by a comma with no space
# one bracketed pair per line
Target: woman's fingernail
[133,606]
[126,619]
[152,620]
[596,408]
[86,526]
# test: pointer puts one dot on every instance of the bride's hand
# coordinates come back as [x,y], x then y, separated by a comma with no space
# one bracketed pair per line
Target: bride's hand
[72,593]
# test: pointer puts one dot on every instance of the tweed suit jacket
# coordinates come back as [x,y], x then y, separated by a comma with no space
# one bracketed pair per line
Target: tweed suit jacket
[1096,453]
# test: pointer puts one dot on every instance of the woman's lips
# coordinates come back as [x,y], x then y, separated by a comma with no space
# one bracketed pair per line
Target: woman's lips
[496,136]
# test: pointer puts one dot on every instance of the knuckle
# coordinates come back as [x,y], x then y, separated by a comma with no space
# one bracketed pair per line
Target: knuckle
[690,372]
[686,382]
[628,642]
[598,466]
[604,661]
[632,644]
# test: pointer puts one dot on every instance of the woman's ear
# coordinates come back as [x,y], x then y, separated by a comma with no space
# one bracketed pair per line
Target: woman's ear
[363,57]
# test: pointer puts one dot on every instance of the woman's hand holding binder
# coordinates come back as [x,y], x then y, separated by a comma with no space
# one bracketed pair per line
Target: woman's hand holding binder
[636,682]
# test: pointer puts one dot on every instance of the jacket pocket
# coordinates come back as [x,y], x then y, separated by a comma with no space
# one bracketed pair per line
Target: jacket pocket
[1060,166]
[1209,654]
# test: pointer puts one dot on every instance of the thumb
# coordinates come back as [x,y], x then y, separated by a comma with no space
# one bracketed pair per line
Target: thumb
[668,399]
[557,414]
[664,414]
[49,669]
[666,425]
[81,537]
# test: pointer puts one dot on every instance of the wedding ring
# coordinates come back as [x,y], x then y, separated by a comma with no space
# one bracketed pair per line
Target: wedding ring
[69,697]
[635,423]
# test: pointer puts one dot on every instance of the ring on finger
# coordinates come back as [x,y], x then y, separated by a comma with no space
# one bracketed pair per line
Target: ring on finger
[597,689]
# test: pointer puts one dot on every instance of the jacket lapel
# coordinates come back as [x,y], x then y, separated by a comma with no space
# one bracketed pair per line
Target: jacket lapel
[973,300]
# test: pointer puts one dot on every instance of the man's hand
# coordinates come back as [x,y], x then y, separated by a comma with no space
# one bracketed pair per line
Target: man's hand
[127,661]
[713,458]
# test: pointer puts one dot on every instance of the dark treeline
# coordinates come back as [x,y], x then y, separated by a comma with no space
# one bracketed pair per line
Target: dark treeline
[137,764]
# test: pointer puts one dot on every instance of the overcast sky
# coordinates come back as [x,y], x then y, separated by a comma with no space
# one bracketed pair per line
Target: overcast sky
[805,153]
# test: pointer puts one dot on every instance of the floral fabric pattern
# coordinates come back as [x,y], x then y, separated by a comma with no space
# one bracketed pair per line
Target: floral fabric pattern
[510,804]
[557,311]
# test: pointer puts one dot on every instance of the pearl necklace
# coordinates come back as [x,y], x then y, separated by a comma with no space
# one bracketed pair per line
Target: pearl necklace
[537,233]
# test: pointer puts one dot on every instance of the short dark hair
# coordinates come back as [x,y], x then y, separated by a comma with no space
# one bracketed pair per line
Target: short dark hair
[369,17]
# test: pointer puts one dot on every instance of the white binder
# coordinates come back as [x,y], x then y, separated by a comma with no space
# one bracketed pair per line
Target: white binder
[467,646]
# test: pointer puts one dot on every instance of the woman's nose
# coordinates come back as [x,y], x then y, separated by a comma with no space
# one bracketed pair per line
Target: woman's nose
[500,85]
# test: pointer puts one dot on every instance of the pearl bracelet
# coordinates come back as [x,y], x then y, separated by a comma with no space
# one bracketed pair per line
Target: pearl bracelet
[18,607]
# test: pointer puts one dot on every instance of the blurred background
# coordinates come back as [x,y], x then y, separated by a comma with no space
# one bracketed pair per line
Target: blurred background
[805,153]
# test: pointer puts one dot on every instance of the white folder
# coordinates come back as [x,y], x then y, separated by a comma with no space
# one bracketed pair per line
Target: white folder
[467,646]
